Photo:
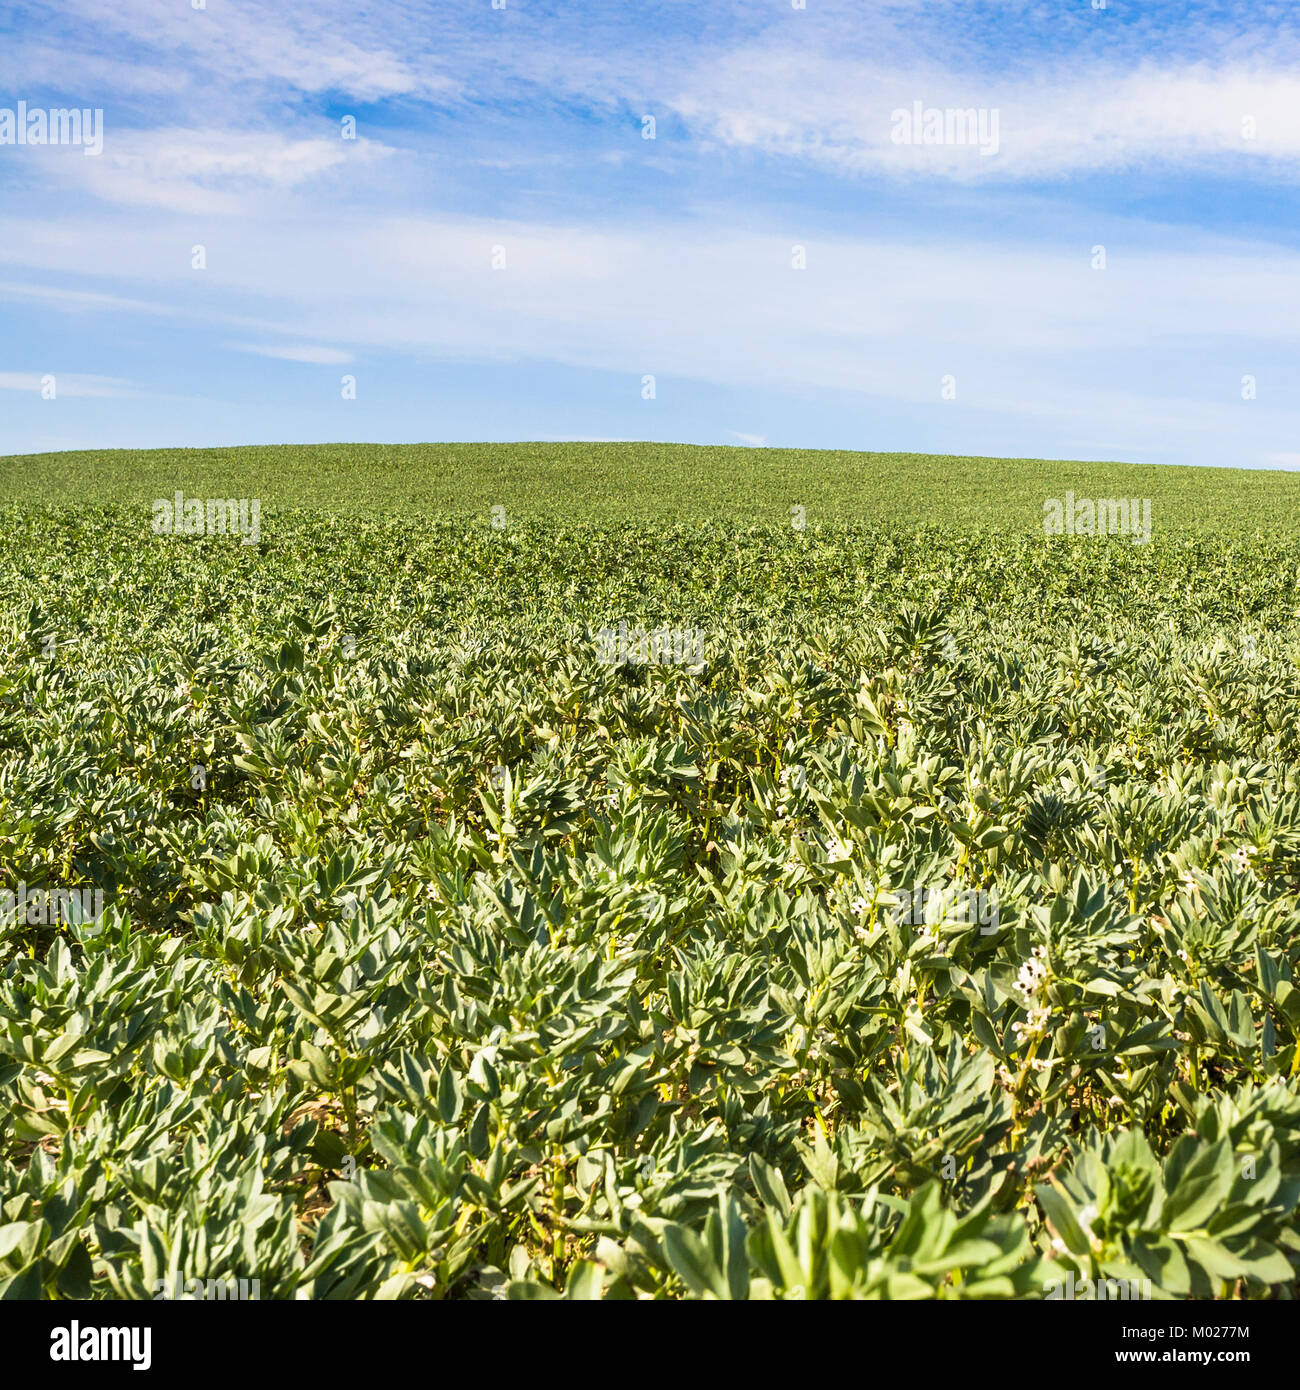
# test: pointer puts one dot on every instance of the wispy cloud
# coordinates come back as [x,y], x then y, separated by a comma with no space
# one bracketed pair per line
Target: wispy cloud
[1025,328]
[212,172]
[80,301]
[256,47]
[844,114]
[61,384]
[299,352]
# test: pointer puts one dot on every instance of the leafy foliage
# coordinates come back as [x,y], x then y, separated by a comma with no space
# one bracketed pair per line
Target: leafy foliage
[472,967]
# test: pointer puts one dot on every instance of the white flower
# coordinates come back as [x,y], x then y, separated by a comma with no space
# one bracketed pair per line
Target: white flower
[837,849]
[1030,980]
[1033,1027]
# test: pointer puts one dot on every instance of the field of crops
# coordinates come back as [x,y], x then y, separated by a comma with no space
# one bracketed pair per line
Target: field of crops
[575,483]
[446,903]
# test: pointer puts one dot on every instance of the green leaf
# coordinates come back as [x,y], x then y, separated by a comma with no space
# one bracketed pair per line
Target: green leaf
[1202,1188]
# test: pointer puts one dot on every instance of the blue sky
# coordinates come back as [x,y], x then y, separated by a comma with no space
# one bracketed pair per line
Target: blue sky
[1169,134]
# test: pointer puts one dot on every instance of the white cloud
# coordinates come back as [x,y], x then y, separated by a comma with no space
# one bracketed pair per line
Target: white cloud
[818,86]
[1126,362]
[70,300]
[210,172]
[227,47]
[101,387]
[839,113]
[754,440]
[299,352]
[697,299]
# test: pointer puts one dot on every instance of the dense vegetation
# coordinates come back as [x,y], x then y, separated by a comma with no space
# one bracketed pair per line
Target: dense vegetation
[933,936]
[574,483]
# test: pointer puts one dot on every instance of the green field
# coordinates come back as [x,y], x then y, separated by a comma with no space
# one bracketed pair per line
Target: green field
[611,482]
[630,894]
